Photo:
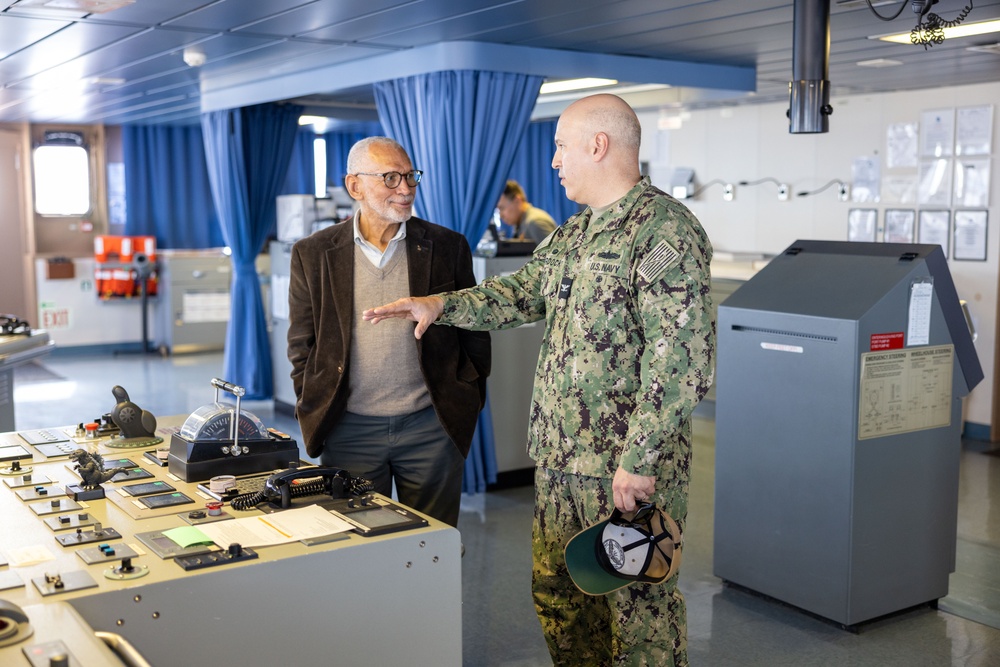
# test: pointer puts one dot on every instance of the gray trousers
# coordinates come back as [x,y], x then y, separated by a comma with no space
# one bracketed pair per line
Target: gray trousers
[413,451]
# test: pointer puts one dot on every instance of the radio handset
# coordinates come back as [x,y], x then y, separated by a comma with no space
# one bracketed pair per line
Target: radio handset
[330,481]
[280,488]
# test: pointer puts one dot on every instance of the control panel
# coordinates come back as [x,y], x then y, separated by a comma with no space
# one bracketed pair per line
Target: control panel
[143,556]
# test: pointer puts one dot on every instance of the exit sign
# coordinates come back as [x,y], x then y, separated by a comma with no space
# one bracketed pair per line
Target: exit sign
[55,318]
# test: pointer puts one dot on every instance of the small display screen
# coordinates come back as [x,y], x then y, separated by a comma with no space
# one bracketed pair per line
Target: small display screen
[373,520]
[119,463]
[131,474]
[380,518]
[147,488]
[165,500]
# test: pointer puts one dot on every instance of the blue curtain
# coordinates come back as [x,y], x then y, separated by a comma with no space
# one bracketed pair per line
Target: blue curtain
[166,186]
[247,151]
[301,176]
[532,168]
[461,128]
[338,145]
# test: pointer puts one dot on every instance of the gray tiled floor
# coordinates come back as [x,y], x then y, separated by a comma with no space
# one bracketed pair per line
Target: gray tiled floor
[727,626]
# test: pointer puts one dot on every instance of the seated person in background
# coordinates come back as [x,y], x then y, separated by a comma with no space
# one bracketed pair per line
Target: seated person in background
[528,222]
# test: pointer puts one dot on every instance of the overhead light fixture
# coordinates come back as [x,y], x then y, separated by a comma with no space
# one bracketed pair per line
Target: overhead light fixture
[964,30]
[105,81]
[194,57]
[567,85]
[879,62]
[319,123]
[88,6]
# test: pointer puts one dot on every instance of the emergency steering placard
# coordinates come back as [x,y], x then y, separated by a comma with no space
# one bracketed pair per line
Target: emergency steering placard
[905,390]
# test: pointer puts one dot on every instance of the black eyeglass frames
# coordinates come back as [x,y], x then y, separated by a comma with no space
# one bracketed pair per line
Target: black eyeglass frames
[393,178]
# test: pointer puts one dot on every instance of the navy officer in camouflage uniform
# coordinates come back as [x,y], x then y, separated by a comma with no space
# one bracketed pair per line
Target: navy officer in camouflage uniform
[627,354]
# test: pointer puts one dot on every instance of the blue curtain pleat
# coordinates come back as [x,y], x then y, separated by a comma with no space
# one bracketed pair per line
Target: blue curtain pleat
[301,176]
[532,168]
[338,145]
[167,194]
[462,129]
[247,152]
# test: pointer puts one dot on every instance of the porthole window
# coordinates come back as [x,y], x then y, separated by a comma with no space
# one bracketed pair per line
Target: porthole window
[61,170]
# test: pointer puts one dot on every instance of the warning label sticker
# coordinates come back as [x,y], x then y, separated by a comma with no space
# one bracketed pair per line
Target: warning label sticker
[886,341]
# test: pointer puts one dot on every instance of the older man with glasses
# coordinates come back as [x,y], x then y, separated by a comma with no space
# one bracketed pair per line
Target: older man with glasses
[381,404]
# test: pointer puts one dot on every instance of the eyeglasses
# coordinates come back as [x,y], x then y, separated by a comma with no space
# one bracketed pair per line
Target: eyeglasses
[393,178]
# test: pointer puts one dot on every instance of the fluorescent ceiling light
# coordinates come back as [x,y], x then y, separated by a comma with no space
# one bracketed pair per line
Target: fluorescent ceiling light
[574,84]
[105,81]
[965,30]
[88,6]
[319,123]
[879,62]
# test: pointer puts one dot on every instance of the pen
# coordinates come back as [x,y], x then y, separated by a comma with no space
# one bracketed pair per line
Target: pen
[270,525]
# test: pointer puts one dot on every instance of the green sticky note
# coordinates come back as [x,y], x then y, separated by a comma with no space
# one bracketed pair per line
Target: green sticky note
[187,536]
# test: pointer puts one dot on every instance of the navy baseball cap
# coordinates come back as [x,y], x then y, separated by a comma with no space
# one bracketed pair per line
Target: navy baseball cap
[643,545]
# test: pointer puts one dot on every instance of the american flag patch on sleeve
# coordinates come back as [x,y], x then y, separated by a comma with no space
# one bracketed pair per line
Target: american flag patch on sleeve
[662,257]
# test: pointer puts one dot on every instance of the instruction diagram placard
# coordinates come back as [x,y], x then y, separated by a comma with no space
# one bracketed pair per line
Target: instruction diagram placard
[905,390]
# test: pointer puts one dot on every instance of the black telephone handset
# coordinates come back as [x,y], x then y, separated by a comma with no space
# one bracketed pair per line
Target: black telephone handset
[331,481]
[280,487]
[12,325]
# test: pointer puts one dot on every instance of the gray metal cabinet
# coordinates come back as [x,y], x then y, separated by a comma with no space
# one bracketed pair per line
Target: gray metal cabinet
[193,305]
[841,372]
[281,368]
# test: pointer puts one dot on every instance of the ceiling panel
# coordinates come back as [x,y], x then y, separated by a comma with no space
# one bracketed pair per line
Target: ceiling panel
[60,47]
[506,23]
[285,57]
[46,58]
[17,32]
[227,14]
[661,33]
[379,27]
[308,19]
[147,46]
[144,12]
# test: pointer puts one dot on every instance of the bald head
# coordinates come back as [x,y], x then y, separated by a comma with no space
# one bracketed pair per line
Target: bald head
[611,115]
[597,149]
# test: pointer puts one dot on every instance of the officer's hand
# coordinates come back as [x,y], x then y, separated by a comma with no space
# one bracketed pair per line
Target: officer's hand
[423,310]
[628,488]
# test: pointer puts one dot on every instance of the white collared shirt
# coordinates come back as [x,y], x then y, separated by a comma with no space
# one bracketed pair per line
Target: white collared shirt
[378,258]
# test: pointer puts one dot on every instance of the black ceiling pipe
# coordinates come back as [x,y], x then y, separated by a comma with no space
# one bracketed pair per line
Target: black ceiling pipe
[810,89]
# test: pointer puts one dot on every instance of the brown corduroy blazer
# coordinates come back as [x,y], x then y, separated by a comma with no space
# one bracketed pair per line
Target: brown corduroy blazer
[455,362]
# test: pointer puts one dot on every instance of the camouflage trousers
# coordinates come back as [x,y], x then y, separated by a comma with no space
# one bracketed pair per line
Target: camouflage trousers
[641,624]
